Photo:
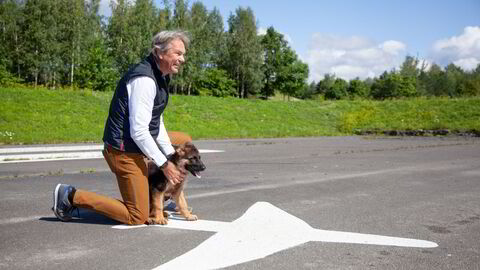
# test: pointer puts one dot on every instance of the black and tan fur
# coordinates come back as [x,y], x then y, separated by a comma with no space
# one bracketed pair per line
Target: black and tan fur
[187,159]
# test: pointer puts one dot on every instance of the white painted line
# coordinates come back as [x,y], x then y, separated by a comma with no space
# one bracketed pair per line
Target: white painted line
[49,156]
[19,220]
[208,151]
[9,150]
[263,230]
[20,158]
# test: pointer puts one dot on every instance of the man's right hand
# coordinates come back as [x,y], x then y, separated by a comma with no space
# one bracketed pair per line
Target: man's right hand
[173,175]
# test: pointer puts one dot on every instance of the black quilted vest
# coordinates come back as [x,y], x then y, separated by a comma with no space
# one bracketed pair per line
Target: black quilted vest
[117,126]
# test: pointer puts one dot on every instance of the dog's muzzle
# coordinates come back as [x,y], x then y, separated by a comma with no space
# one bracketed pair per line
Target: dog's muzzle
[195,169]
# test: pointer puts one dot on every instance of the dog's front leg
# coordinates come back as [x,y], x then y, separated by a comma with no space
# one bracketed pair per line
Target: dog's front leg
[183,207]
[157,216]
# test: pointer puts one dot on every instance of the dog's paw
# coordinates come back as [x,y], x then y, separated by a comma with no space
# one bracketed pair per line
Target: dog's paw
[157,221]
[191,218]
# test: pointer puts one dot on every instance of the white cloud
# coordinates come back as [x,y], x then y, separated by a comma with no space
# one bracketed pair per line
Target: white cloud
[462,50]
[350,57]
[467,63]
[261,31]
[393,46]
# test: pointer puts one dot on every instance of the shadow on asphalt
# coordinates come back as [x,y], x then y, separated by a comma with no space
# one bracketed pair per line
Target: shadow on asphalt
[85,217]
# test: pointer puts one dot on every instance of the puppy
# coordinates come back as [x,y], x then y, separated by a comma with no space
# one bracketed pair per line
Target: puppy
[186,158]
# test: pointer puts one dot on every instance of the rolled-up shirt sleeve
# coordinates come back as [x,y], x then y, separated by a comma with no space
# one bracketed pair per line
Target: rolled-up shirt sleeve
[141,95]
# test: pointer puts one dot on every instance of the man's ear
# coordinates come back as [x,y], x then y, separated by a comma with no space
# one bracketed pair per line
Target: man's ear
[158,54]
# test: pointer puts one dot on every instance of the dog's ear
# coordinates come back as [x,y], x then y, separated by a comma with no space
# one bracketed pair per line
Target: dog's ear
[188,145]
[180,150]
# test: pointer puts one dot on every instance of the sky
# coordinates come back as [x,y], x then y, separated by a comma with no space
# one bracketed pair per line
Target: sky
[364,38]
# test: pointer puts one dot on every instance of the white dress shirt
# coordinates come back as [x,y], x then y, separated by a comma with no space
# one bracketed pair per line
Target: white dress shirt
[141,95]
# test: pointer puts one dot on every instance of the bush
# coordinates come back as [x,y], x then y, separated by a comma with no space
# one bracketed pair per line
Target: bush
[338,90]
[394,85]
[6,78]
[215,83]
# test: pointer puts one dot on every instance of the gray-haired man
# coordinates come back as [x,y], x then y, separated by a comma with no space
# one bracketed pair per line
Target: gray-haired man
[134,130]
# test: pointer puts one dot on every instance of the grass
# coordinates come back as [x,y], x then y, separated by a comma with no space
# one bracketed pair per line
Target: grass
[29,116]
[412,114]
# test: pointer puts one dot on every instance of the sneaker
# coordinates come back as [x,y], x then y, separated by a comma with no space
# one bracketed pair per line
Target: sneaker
[171,206]
[62,208]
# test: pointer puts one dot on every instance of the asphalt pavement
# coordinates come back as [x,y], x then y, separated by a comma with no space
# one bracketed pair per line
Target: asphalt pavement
[425,188]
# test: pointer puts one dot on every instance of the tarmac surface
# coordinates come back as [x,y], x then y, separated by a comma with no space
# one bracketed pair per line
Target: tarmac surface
[424,188]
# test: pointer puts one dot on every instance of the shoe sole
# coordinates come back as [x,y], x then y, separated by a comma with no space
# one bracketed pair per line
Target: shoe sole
[55,200]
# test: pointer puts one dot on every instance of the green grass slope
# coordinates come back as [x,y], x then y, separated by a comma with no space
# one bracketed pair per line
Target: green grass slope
[29,116]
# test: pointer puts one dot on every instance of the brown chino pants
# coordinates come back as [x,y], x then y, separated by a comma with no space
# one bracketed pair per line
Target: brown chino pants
[131,172]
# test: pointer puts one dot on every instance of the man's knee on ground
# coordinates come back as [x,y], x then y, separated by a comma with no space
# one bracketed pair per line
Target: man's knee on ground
[138,219]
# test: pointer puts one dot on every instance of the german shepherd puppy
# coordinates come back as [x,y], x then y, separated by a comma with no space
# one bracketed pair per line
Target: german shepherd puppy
[186,158]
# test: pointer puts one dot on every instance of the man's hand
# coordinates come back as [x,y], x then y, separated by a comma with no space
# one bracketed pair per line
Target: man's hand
[173,175]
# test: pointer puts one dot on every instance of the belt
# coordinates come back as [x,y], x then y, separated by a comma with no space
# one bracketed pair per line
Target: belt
[109,148]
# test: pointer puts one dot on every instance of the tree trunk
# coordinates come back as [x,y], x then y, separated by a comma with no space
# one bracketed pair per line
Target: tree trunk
[244,94]
[17,54]
[54,81]
[239,93]
[36,70]
[72,68]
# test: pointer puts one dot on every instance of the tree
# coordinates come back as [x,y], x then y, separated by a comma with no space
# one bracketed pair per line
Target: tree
[119,35]
[182,20]
[216,46]
[358,89]
[142,24]
[11,50]
[467,83]
[338,90]
[83,45]
[282,69]
[393,85]
[40,31]
[163,18]
[308,92]
[292,74]
[325,84]
[454,77]
[244,57]
[216,82]
[97,72]
[273,44]
[409,67]
[197,54]
[435,81]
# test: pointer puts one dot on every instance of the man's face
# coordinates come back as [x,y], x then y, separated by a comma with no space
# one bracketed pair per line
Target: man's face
[171,60]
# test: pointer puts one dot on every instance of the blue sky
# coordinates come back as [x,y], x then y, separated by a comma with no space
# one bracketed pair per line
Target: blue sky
[363,38]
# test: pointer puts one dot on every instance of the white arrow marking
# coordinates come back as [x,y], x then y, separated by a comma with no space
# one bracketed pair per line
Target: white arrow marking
[263,230]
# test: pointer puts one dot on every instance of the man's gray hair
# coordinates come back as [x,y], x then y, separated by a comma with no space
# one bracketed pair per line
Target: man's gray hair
[161,41]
